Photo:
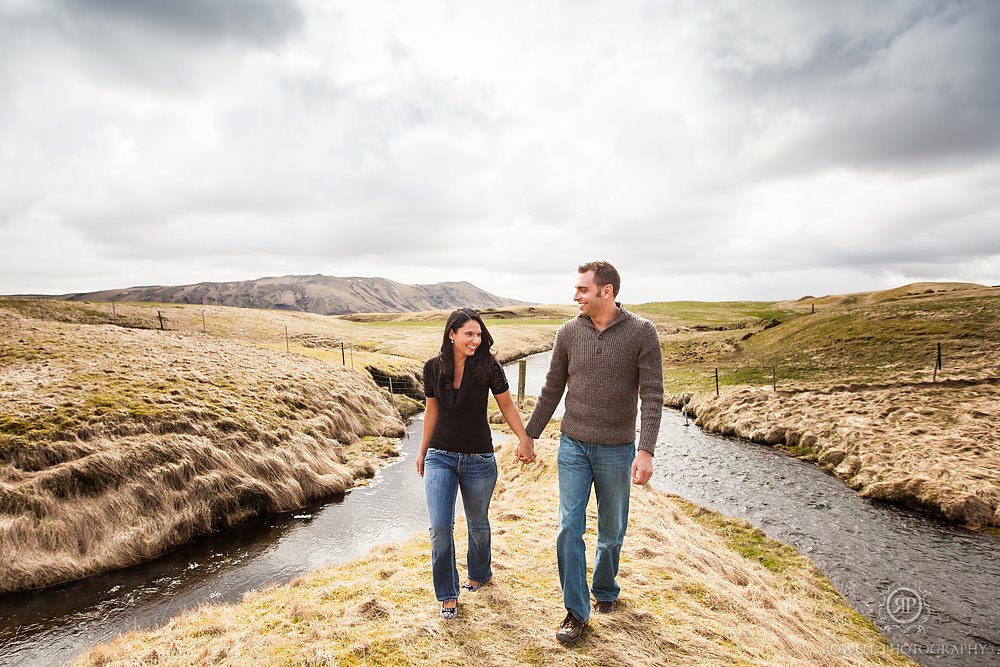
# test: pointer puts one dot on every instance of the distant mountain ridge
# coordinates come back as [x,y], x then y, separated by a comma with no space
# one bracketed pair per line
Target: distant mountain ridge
[324,295]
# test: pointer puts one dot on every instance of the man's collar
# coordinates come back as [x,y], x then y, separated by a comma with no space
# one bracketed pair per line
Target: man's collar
[622,314]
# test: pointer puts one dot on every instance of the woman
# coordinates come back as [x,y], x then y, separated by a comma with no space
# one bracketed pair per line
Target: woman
[456,450]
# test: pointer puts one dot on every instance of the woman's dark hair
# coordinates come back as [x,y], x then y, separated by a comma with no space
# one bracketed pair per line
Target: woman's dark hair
[481,362]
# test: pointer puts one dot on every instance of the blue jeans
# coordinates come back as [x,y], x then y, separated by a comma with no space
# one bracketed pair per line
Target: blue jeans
[607,468]
[444,474]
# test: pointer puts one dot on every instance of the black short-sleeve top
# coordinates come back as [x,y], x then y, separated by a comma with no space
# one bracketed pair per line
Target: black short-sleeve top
[462,425]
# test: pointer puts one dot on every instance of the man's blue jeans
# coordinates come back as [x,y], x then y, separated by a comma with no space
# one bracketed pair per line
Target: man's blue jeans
[607,468]
[444,474]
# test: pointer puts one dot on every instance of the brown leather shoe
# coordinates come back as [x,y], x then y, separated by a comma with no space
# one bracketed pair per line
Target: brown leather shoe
[571,629]
[605,606]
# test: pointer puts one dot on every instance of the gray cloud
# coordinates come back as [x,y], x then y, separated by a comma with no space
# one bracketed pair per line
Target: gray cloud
[256,22]
[910,91]
[746,146]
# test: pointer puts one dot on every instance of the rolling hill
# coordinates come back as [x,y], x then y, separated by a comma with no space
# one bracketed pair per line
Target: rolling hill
[324,295]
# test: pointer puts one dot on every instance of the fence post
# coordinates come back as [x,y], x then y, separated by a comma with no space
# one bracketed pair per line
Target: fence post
[774,379]
[716,381]
[160,315]
[203,321]
[939,357]
[343,356]
[286,339]
[114,313]
[522,372]
[392,396]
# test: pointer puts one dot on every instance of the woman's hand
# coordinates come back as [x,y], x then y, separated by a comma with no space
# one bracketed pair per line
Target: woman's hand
[526,450]
[420,463]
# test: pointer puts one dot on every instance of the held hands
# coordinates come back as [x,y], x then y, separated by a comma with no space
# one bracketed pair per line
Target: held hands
[526,450]
[642,468]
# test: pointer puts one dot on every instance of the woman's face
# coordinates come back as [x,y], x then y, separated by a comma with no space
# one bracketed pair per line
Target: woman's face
[467,339]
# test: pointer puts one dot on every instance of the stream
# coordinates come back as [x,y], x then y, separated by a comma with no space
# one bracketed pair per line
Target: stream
[931,587]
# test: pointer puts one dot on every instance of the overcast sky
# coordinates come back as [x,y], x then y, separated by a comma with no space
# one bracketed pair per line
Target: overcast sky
[711,150]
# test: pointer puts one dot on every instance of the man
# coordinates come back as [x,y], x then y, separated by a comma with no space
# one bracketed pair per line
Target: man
[605,357]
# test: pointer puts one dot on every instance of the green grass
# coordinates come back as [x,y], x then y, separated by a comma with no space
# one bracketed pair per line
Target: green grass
[524,321]
[744,539]
[439,324]
[865,341]
[708,313]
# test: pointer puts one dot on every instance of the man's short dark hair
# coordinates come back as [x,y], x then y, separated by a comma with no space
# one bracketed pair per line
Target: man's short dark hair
[604,274]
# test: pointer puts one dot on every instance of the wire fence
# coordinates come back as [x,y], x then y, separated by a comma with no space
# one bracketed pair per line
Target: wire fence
[272,328]
[276,329]
[761,376]
[191,319]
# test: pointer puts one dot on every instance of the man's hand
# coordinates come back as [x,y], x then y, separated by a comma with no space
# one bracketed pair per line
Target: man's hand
[526,450]
[642,467]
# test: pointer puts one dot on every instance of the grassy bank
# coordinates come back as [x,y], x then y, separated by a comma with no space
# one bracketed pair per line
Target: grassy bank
[118,444]
[856,387]
[932,447]
[698,589]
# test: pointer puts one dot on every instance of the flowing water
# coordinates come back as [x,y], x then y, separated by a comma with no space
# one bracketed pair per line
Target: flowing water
[931,587]
[935,585]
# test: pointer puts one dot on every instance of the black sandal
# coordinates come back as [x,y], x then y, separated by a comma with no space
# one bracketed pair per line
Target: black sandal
[472,588]
[448,613]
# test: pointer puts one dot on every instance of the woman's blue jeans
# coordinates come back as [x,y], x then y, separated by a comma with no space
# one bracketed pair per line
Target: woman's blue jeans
[444,474]
[606,468]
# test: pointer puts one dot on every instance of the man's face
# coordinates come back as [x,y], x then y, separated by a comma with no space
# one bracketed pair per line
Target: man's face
[591,300]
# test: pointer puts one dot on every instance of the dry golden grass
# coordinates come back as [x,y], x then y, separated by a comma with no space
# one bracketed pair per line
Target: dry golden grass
[698,589]
[118,444]
[385,345]
[930,446]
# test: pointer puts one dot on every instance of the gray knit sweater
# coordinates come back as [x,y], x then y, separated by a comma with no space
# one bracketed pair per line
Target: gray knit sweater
[605,371]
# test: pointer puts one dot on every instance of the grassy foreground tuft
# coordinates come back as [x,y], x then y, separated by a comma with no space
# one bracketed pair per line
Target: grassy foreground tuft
[698,589]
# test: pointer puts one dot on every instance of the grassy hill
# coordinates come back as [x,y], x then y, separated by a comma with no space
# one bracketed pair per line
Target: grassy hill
[819,342]
[325,295]
[384,344]
[856,387]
